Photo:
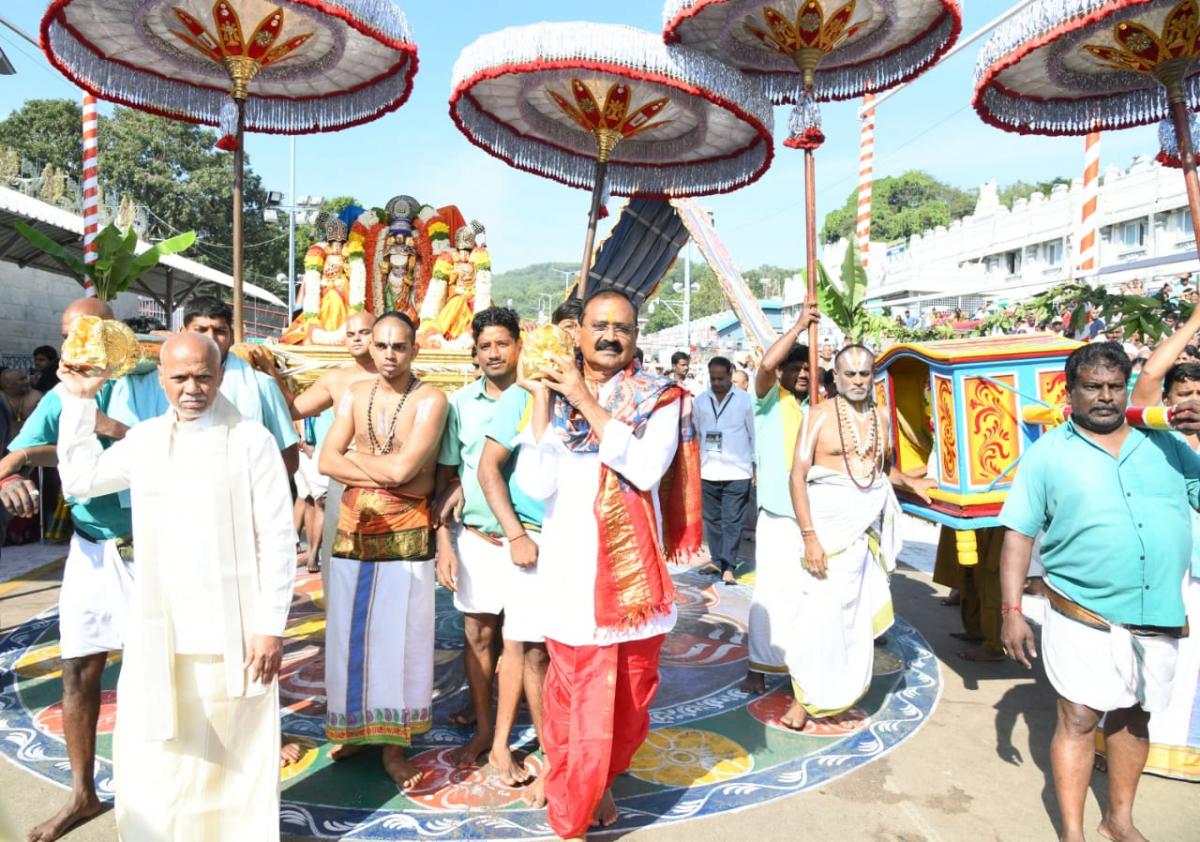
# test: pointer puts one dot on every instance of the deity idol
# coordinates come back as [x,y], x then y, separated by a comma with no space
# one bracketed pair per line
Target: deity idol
[334,286]
[466,272]
[399,264]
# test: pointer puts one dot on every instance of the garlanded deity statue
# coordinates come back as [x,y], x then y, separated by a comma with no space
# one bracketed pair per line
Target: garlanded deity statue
[334,286]
[465,272]
[398,266]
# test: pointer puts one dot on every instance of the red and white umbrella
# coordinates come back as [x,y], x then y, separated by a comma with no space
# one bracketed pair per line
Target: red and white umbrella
[807,51]
[601,105]
[1071,67]
[278,66]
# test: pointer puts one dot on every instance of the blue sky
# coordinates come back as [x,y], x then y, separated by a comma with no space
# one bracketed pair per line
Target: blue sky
[417,150]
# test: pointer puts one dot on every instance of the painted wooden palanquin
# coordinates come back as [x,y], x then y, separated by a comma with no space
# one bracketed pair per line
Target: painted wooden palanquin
[955,412]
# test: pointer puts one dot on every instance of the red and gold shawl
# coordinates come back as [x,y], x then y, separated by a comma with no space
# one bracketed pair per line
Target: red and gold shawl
[632,581]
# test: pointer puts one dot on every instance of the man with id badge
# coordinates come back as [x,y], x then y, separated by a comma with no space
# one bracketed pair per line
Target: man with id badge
[725,423]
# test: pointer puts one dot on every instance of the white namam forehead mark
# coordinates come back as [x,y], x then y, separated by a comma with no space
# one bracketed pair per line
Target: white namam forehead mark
[855,359]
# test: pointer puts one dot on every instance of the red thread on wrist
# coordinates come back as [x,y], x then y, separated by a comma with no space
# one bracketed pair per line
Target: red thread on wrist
[1009,609]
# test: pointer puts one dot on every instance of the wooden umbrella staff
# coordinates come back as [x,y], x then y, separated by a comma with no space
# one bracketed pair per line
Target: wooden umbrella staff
[806,134]
[241,71]
[606,140]
[1171,75]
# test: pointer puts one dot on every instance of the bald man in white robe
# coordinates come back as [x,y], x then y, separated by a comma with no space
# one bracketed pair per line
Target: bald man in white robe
[196,746]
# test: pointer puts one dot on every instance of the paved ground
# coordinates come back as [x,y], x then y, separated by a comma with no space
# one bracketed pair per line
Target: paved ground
[979,770]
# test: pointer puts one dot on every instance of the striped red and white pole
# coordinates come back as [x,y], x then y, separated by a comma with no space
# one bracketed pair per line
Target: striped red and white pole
[91,188]
[1089,261]
[1146,417]
[866,175]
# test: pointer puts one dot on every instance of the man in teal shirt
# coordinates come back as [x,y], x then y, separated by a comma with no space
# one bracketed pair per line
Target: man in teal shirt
[781,387]
[473,555]
[1114,506]
[97,577]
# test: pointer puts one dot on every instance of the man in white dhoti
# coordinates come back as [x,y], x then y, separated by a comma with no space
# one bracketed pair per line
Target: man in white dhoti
[841,486]
[97,578]
[1113,503]
[781,387]
[379,602]
[195,751]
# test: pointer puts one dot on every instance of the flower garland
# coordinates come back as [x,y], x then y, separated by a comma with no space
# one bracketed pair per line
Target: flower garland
[358,273]
[314,262]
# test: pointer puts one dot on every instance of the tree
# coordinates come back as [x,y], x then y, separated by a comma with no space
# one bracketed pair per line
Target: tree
[1023,190]
[47,131]
[169,168]
[901,206]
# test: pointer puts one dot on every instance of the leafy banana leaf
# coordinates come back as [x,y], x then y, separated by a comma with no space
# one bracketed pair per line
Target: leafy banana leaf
[72,264]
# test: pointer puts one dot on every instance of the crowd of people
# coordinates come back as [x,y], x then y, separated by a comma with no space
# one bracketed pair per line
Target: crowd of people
[551,507]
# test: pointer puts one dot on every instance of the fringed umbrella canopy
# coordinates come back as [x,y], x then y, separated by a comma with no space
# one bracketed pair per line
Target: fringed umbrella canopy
[1069,67]
[553,98]
[856,46]
[312,65]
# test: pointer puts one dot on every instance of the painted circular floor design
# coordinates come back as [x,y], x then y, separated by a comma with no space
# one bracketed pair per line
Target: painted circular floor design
[712,748]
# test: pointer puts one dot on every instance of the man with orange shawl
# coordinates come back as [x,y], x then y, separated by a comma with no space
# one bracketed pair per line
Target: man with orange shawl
[613,446]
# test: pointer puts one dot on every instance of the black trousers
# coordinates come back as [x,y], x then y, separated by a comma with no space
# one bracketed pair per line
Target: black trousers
[724,512]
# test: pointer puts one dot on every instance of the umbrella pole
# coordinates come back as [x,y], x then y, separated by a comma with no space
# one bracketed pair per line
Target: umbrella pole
[1187,155]
[589,241]
[239,160]
[810,249]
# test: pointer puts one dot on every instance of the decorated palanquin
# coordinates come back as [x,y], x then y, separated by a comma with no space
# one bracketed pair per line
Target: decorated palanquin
[956,415]
[426,262]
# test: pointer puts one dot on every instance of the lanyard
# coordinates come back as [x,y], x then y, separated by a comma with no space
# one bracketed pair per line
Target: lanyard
[724,405]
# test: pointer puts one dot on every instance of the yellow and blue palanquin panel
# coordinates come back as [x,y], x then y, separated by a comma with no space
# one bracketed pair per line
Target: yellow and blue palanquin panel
[955,412]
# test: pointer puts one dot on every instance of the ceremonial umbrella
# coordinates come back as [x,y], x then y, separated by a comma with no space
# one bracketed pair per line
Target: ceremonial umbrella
[809,51]
[591,105]
[1071,67]
[276,66]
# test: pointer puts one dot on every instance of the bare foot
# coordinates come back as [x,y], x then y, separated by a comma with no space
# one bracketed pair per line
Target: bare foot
[400,768]
[535,794]
[468,755]
[314,564]
[952,598]
[728,578]
[1127,833]
[795,718]
[78,809]
[755,683]
[710,570]
[291,752]
[510,772]
[981,656]
[606,813]
[341,751]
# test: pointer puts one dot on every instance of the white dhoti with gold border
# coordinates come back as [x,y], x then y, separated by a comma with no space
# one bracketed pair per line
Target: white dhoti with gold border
[831,649]
[778,552]
[217,779]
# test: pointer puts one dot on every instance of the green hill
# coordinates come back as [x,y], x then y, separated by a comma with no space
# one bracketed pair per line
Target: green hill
[525,288]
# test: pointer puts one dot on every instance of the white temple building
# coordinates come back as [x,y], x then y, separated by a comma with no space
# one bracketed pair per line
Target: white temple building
[999,256]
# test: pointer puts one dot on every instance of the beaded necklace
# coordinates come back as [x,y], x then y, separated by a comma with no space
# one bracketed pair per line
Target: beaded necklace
[861,450]
[386,447]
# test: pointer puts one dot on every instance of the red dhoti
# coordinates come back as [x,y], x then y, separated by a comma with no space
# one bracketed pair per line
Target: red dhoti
[596,712]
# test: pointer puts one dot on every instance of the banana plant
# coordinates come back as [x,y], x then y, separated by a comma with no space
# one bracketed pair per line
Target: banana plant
[117,263]
[843,303]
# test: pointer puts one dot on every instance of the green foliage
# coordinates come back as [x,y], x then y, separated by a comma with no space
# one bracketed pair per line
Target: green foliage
[117,262]
[47,131]
[530,284]
[1023,190]
[900,207]
[1140,314]
[169,167]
